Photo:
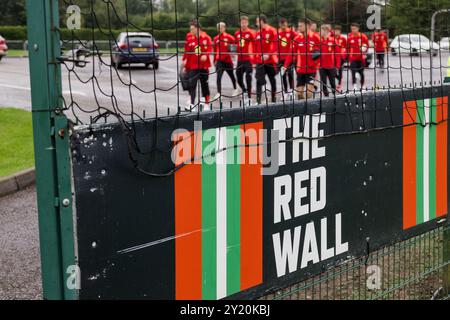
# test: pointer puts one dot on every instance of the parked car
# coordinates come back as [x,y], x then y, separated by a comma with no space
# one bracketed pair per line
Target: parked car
[413,44]
[444,44]
[135,47]
[3,48]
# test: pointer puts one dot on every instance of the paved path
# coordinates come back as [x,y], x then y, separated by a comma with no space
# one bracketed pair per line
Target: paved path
[20,272]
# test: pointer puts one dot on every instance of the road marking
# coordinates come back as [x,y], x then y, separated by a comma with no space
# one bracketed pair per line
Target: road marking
[79,93]
[9,86]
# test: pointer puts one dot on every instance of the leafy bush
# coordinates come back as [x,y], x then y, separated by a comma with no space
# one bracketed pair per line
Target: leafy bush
[20,33]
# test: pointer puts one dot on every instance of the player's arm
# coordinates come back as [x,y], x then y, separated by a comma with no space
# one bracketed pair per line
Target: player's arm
[232,40]
[209,47]
[216,49]
[186,52]
[364,43]
[290,57]
[251,47]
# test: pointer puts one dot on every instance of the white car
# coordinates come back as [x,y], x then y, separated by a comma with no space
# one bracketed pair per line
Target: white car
[444,43]
[413,44]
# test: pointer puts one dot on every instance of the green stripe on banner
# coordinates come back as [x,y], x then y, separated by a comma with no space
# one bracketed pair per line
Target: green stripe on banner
[209,222]
[432,166]
[233,210]
[419,160]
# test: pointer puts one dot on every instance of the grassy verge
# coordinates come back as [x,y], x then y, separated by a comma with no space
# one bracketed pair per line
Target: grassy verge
[17,53]
[16,141]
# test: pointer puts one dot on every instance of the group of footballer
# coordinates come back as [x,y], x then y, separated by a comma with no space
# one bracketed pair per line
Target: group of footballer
[315,56]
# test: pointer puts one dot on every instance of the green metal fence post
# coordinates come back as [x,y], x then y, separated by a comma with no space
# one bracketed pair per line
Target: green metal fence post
[51,154]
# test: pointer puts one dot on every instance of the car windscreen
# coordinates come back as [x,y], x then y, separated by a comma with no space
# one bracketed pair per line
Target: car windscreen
[137,41]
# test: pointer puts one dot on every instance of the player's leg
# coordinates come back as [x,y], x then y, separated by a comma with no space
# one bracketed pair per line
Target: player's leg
[248,70]
[219,73]
[301,85]
[290,73]
[332,79]
[204,83]
[284,77]
[382,57]
[310,87]
[354,70]
[260,81]
[323,81]
[271,72]
[361,73]
[193,79]
[240,76]
[229,70]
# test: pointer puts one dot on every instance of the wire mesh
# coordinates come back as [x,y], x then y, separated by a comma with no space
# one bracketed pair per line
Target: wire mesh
[413,269]
[100,86]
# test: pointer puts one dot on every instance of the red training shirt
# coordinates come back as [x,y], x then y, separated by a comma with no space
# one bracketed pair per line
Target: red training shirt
[358,45]
[266,44]
[222,44]
[196,48]
[245,41]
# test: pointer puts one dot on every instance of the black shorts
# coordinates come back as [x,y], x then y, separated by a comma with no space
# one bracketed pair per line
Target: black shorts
[380,55]
[305,78]
[357,65]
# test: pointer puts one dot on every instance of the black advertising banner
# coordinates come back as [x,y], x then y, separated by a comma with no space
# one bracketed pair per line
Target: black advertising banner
[260,198]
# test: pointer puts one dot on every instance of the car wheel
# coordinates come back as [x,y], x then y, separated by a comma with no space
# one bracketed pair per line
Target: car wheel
[1,57]
[115,63]
[394,53]
[155,65]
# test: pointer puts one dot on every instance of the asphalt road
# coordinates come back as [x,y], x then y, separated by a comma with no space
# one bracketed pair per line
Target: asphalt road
[150,92]
[20,272]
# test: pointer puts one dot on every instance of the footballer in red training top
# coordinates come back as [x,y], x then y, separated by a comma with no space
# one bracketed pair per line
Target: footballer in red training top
[341,55]
[222,57]
[327,59]
[196,61]
[266,57]
[358,45]
[245,42]
[380,43]
[306,47]
[285,38]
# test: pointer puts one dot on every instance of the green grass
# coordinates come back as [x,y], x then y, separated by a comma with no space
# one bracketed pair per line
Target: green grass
[16,141]
[17,53]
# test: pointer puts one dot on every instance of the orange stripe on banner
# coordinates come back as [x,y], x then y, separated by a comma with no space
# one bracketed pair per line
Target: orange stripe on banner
[409,164]
[441,156]
[188,221]
[251,208]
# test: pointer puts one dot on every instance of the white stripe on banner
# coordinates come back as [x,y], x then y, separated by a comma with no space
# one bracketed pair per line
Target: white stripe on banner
[426,162]
[221,195]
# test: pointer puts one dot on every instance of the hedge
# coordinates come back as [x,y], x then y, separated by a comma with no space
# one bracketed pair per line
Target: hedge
[20,33]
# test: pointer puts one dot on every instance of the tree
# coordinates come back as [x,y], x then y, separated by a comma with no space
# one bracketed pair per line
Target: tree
[13,12]
[413,16]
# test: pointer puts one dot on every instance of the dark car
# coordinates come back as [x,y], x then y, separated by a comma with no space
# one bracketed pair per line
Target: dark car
[3,48]
[135,47]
